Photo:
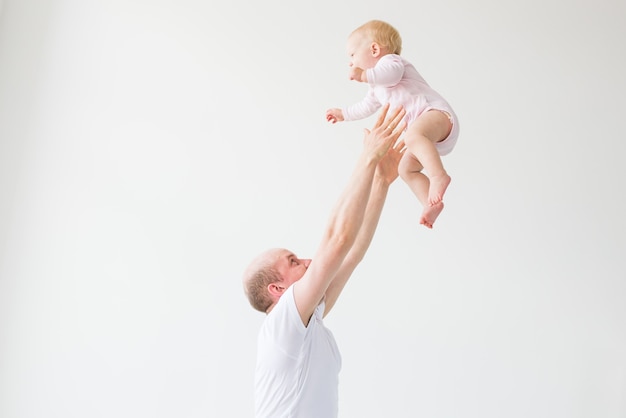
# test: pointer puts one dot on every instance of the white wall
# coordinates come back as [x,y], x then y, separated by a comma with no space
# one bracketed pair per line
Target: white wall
[150,149]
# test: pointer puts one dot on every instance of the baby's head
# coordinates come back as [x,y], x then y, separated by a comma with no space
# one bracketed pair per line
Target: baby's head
[382,33]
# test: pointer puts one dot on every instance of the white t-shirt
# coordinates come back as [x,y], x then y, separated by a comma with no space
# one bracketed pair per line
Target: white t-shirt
[297,370]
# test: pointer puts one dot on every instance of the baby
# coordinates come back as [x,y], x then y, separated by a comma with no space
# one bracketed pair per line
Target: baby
[432,126]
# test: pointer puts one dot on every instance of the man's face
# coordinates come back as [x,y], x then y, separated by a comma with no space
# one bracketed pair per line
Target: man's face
[290,267]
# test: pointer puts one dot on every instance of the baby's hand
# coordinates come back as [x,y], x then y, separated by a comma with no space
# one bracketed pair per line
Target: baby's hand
[356,74]
[334,115]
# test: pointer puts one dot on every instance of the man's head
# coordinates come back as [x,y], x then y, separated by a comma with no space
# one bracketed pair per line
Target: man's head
[371,41]
[269,275]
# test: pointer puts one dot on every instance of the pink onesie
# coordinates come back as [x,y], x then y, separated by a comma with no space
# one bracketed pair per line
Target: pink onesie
[394,80]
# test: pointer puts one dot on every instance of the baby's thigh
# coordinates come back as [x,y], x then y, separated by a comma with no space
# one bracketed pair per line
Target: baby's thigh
[432,124]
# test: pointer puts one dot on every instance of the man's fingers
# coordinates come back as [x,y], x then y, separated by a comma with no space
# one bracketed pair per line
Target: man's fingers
[394,120]
[400,146]
[382,116]
[397,117]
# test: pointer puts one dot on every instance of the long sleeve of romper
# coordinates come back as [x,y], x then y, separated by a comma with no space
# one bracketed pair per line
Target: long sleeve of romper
[387,72]
[362,109]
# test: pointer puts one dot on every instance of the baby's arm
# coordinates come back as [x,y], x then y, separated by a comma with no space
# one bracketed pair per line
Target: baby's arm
[387,73]
[362,109]
[334,115]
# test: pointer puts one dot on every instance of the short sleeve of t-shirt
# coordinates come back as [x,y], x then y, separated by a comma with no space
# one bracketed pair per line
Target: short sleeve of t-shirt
[283,325]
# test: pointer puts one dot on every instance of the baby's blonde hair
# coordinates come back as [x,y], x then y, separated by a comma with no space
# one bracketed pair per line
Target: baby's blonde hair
[382,33]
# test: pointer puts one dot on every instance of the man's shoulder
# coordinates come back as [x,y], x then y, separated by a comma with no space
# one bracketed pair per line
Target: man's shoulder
[284,316]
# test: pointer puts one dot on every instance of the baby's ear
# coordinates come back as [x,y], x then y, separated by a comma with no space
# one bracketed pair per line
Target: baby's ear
[375,49]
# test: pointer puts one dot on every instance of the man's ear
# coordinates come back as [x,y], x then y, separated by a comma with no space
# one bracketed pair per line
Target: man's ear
[275,289]
[375,49]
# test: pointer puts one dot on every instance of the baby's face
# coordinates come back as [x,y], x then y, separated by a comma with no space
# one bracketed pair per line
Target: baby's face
[360,52]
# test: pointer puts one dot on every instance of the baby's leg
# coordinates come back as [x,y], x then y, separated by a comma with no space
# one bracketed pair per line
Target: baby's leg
[428,129]
[410,171]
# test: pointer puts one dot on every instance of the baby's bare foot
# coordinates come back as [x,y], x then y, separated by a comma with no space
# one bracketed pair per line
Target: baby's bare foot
[438,186]
[430,214]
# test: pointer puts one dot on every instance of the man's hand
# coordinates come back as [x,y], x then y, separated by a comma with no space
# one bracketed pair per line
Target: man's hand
[385,132]
[387,168]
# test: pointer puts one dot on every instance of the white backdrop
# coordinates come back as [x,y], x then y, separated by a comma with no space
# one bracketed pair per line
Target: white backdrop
[150,149]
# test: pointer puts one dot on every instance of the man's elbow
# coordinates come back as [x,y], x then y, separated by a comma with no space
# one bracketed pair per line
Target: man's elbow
[340,242]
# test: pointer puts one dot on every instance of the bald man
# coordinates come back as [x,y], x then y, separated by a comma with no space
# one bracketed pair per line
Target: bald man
[298,361]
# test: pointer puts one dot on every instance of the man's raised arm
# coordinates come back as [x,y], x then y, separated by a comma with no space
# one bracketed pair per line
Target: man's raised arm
[386,173]
[348,215]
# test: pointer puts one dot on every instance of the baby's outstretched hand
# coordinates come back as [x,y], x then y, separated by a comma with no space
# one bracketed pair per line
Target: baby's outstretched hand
[334,115]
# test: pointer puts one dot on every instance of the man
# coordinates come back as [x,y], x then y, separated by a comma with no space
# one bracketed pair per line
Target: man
[298,361]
